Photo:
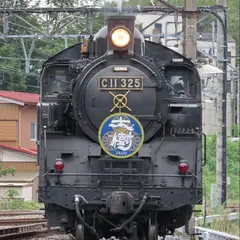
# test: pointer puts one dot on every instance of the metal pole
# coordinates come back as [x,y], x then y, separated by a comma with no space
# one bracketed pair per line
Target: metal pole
[238,102]
[213,37]
[221,164]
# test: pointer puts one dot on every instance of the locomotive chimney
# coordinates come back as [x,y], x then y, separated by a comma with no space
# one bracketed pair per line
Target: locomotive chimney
[120,36]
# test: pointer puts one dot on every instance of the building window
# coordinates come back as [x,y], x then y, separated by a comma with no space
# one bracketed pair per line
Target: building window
[33,131]
[229,56]
[158,26]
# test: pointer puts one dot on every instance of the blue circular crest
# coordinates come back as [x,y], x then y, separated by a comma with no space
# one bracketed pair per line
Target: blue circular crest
[121,135]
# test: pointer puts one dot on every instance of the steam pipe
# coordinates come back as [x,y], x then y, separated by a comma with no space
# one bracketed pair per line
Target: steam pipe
[133,216]
[91,229]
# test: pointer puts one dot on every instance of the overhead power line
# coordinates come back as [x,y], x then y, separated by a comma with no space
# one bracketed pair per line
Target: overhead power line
[22,59]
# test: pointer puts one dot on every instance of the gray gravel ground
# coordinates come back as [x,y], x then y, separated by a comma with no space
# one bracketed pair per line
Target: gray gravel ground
[53,237]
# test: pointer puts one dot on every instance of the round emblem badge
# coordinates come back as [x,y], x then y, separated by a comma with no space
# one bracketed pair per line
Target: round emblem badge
[121,135]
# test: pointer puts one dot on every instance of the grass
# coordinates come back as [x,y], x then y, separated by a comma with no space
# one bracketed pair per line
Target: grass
[209,177]
[231,227]
[18,204]
[233,168]
[223,225]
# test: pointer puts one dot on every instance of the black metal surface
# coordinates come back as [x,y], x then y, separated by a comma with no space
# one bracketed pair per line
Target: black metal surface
[120,202]
[149,182]
[145,103]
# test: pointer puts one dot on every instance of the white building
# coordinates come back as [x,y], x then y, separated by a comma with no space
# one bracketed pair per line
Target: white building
[25,180]
[170,29]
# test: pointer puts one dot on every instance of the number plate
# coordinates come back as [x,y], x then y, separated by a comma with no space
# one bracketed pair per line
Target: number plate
[120,83]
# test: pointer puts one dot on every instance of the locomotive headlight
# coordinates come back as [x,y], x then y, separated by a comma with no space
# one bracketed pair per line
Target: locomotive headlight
[120,37]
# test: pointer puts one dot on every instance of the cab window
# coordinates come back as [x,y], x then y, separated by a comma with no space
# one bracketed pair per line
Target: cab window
[60,81]
[179,82]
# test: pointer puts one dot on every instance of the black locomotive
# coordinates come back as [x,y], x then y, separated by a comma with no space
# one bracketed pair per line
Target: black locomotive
[119,136]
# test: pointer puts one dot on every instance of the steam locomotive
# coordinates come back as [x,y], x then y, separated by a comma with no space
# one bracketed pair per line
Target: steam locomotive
[119,136]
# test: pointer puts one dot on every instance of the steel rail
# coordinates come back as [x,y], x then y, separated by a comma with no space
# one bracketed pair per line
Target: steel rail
[21,228]
[39,233]
[17,213]
[22,221]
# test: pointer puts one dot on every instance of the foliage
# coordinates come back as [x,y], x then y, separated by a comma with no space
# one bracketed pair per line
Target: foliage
[12,193]
[18,204]
[16,78]
[5,172]
[231,227]
[13,202]
[236,131]
[209,172]
[223,224]
[13,75]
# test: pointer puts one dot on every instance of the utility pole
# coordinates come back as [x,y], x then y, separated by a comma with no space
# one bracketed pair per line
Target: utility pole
[190,30]
[190,16]
[221,161]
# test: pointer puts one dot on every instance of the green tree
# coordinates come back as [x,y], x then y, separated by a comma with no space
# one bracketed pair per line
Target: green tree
[15,78]
[11,51]
[12,59]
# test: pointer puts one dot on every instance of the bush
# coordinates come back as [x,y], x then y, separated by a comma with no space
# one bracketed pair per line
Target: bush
[18,204]
[209,171]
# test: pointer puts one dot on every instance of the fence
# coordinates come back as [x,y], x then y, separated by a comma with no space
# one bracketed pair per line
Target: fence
[209,234]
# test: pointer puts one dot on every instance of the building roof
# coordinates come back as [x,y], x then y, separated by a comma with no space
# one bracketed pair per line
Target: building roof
[21,98]
[21,150]
[209,69]
[207,36]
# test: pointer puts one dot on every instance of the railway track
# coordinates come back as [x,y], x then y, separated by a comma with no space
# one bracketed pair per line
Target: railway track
[20,224]
[30,225]
[28,231]
[21,221]
[12,230]
[18,213]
